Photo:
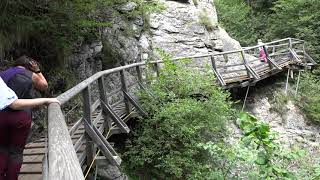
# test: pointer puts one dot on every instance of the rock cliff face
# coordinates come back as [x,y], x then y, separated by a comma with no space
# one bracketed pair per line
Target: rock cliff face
[289,122]
[182,29]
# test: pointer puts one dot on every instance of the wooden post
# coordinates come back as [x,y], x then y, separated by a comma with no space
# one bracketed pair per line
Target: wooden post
[225,57]
[290,43]
[125,89]
[273,49]
[245,62]
[138,69]
[286,91]
[297,86]
[104,99]
[156,66]
[86,94]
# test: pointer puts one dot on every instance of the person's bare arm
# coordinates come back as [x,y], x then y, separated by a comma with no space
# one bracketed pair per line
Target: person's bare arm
[38,80]
[20,104]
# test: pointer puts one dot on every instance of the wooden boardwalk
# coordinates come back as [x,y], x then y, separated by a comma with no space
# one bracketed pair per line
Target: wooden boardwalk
[35,151]
[70,149]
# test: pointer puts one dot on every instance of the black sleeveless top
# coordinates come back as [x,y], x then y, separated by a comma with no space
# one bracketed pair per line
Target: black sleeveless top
[21,84]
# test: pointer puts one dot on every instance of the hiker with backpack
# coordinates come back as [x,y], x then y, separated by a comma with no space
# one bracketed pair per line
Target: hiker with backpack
[15,125]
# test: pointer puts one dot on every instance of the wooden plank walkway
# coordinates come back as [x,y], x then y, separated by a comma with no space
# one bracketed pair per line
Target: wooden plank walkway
[35,151]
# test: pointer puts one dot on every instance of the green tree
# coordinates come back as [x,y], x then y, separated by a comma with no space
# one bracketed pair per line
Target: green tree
[185,109]
[299,19]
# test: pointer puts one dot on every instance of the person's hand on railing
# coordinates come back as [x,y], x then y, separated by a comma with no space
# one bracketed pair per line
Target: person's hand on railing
[52,100]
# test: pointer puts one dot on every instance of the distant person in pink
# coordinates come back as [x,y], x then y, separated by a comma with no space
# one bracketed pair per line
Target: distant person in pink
[262,53]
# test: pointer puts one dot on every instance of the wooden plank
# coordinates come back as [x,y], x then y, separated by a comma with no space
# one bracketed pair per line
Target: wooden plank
[31,169]
[62,158]
[30,177]
[233,71]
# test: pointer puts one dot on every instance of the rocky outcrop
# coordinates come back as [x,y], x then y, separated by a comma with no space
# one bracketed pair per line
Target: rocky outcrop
[292,127]
[87,60]
[182,29]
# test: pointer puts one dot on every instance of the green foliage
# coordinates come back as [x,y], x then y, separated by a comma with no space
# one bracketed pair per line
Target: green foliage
[205,20]
[259,136]
[279,101]
[55,24]
[241,21]
[250,20]
[185,109]
[50,29]
[195,2]
[309,97]
[257,155]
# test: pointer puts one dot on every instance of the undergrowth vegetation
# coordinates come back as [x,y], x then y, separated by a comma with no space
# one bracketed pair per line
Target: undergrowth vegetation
[268,20]
[185,109]
[309,97]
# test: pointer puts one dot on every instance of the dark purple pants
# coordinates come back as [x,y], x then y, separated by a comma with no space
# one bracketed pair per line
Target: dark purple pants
[14,130]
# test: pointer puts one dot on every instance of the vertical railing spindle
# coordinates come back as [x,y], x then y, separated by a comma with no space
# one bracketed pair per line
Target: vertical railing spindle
[125,89]
[86,94]
[104,100]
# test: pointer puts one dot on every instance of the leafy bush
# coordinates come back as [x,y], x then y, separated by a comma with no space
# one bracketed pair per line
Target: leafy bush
[257,155]
[241,22]
[309,96]
[185,109]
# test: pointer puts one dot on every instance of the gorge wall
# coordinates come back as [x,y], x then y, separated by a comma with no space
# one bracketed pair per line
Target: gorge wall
[181,29]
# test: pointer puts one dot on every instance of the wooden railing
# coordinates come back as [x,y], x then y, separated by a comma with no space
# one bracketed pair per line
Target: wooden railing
[62,161]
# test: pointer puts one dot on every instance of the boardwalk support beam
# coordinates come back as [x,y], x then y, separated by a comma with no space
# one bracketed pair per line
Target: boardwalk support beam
[103,144]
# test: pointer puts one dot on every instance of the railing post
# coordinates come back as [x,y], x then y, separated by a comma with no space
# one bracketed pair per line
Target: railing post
[290,43]
[86,94]
[125,89]
[156,66]
[216,72]
[245,62]
[104,99]
[138,69]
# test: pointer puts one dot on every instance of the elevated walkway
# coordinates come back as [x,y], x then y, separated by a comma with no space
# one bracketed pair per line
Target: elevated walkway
[69,150]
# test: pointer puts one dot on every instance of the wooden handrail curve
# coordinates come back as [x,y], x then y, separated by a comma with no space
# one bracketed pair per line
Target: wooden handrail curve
[62,158]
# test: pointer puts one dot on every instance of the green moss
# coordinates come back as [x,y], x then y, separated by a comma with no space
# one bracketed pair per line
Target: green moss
[206,21]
